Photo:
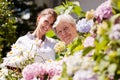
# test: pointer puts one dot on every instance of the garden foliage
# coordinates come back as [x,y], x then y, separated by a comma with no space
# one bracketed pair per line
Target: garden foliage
[94,55]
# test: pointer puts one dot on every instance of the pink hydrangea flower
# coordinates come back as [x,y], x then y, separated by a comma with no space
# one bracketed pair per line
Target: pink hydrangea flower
[104,11]
[40,70]
[89,41]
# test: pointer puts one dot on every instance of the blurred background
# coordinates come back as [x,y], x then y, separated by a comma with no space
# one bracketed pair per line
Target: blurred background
[17,17]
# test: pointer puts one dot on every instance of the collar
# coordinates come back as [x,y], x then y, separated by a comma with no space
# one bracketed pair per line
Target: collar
[29,34]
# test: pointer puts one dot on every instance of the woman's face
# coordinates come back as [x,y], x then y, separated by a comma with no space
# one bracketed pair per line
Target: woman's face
[66,32]
[45,23]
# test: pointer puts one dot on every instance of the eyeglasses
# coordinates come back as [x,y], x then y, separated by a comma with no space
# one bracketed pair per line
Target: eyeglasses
[63,31]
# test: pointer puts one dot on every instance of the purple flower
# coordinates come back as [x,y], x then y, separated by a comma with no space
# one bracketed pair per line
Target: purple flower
[31,71]
[104,11]
[84,26]
[41,71]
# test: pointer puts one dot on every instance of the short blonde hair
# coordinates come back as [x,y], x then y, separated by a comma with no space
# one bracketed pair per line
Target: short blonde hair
[66,18]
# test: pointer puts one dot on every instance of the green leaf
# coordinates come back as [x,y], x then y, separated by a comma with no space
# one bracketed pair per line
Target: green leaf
[68,10]
[60,9]
[64,75]
[75,46]
[101,43]
[50,33]
[70,7]
[87,50]
[116,5]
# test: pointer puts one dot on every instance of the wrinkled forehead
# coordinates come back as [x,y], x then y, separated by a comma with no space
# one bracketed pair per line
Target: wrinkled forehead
[61,24]
[64,18]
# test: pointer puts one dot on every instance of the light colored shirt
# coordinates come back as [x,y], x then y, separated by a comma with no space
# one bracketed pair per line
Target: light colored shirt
[44,49]
[28,47]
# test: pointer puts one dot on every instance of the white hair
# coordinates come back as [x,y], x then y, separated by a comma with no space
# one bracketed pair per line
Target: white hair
[64,17]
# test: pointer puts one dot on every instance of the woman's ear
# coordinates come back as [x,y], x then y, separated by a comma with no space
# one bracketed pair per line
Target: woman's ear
[38,18]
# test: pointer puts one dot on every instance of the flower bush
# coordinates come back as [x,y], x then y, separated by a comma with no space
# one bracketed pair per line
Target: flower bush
[73,66]
[17,56]
[7,27]
[13,67]
[16,60]
[104,43]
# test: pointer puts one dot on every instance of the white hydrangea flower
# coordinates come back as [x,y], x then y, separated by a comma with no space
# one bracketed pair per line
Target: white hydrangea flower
[16,50]
[85,75]
[3,73]
[18,57]
[76,63]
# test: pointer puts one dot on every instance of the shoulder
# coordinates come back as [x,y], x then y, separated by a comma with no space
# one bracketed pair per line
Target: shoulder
[52,40]
[22,39]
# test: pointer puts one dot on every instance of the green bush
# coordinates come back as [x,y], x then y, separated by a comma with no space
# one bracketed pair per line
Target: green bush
[7,27]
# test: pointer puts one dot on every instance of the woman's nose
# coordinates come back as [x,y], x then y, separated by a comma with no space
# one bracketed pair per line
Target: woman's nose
[63,32]
[48,27]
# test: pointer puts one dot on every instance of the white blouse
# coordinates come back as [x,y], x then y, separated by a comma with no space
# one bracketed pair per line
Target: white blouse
[28,46]
[44,49]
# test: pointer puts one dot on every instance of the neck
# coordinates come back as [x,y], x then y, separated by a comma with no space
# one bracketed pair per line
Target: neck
[74,38]
[38,35]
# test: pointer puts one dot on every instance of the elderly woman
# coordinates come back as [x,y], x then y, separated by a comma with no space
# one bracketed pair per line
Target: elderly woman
[65,28]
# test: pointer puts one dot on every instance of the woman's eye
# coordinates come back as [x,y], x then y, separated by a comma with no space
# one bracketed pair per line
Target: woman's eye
[46,22]
[66,28]
[59,32]
[51,24]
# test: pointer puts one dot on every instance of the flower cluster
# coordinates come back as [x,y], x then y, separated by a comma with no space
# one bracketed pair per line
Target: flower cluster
[78,67]
[89,41]
[81,75]
[89,14]
[17,56]
[16,60]
[59,47]
[75,63]
[115,33]
[84,25]
[104,11]
[3,73]
[41,71]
